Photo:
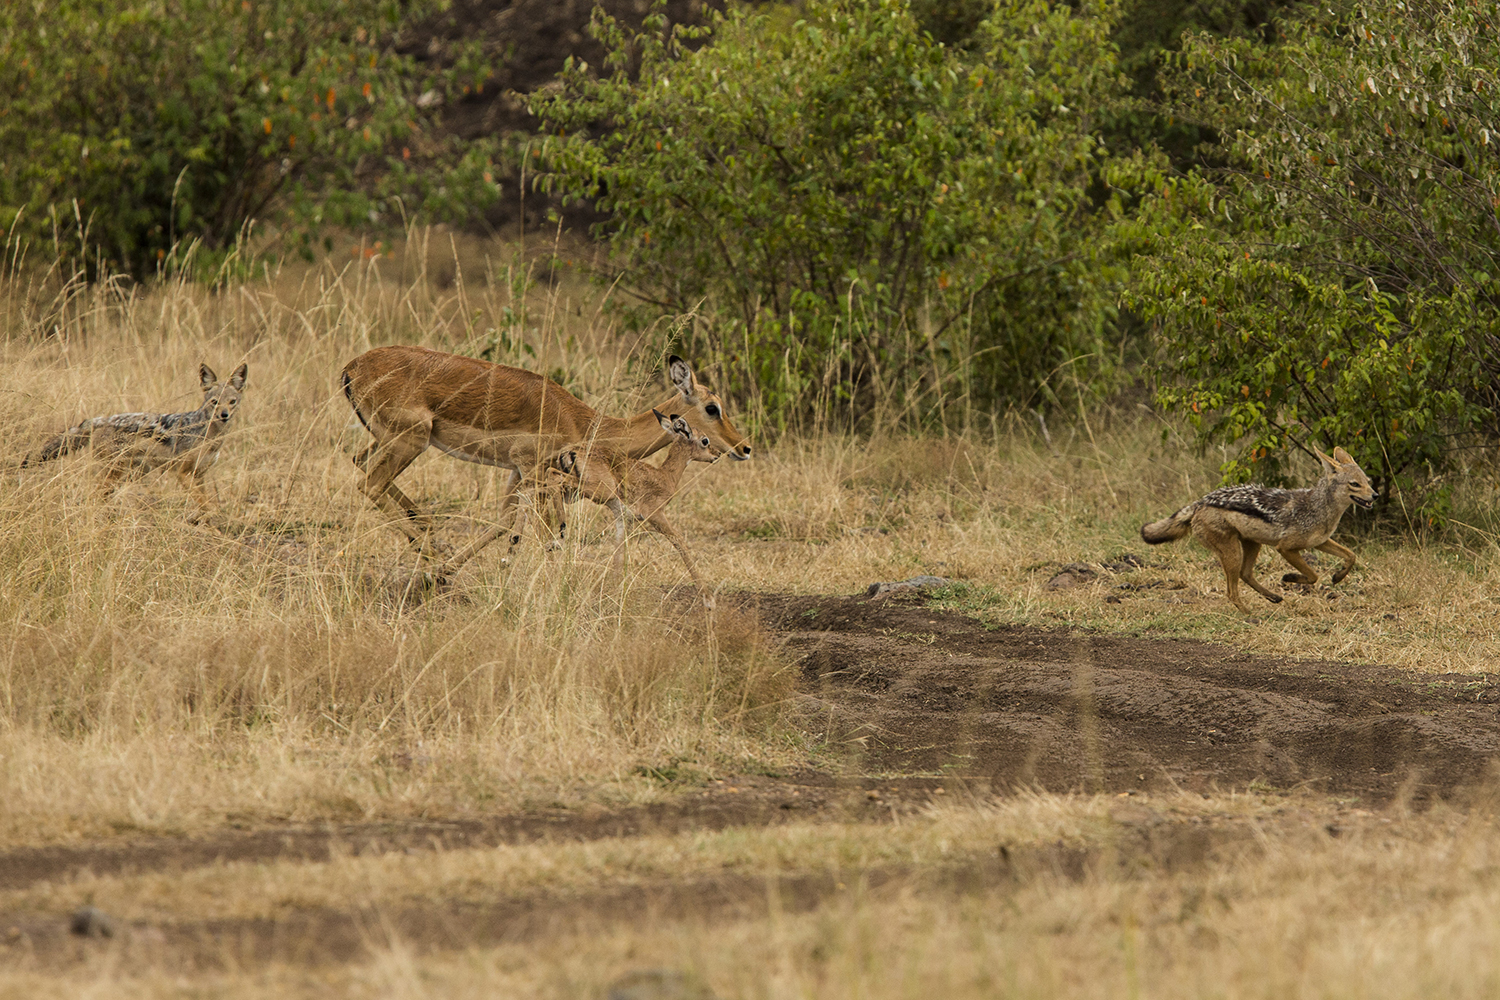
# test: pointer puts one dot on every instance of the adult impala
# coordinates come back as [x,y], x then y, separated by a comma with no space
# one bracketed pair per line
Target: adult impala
[410,398]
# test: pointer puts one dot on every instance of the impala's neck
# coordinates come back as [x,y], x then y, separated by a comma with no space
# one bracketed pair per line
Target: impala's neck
[678,456]
[639,435]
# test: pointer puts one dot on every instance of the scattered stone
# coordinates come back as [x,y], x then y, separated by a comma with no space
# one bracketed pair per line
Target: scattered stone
[90,921]
[659,984]
[896,586]
[1127,563]
[1072,575]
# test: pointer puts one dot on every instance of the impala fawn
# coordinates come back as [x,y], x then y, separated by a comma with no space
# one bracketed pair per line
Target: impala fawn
[410,398]
[636,490]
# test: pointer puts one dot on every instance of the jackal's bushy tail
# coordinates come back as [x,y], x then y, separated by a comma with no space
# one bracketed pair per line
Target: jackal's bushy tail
[68,441]
[1169,529]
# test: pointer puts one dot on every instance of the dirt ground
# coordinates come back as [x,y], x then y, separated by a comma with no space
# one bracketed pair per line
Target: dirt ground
[931,705]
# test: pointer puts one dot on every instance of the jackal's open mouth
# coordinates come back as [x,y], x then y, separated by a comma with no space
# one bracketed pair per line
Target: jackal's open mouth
[1366,504]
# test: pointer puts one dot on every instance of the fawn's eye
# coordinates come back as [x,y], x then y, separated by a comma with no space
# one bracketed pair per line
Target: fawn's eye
[712,410]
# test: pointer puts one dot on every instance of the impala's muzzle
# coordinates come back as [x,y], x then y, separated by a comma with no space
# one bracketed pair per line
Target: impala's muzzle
[740,453]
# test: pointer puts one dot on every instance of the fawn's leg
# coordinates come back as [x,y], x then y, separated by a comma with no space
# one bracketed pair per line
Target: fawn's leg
[660,525]
[512,489]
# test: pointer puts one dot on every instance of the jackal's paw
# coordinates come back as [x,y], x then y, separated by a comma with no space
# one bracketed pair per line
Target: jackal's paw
[1339,576]
[1275,598]
[1295,578]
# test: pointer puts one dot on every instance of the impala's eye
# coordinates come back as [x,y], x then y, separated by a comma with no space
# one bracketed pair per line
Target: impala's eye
[712,409]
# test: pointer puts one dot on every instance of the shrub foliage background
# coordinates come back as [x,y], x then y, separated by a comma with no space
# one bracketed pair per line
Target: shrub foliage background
[1338,281]
[864,217]
[129,125]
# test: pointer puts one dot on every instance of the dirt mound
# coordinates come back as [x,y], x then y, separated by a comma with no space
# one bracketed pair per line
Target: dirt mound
[933,691]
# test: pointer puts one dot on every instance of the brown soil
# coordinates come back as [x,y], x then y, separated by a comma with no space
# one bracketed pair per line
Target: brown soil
[926,703]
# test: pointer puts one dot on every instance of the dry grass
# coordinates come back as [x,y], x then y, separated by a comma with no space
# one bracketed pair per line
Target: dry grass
[163,676]
[1394,906]
[265,666]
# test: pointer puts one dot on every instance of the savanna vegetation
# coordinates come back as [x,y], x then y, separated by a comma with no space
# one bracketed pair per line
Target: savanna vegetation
[989,282]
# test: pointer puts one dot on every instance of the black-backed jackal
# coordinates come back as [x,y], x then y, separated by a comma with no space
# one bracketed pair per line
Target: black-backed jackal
[1235,521]
[133,444]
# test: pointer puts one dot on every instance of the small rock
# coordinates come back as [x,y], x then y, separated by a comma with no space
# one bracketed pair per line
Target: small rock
[90,921]
[1072,575]
[915,583]
[659,984]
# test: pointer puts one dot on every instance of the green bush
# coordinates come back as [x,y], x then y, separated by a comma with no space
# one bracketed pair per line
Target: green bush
[1338,281]
[861,216]
[130,125]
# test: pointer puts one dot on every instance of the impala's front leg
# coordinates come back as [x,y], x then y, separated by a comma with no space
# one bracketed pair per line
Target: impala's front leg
[512,489]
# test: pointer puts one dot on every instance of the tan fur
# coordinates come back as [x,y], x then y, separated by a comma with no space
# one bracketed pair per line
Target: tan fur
[1289,521]
[636,490]
[411,398]
[133,444]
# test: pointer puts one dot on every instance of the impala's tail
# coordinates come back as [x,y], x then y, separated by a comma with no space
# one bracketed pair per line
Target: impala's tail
[1169,529]
[349,395]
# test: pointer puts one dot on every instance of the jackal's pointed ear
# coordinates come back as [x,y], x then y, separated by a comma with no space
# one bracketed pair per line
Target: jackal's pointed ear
[1342,457]
[1328,463]
[206,377]
[237,377]
[681,374]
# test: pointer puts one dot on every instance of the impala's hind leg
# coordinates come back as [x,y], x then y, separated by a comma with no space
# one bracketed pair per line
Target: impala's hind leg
[407,505]
[381,467]
[1249,552]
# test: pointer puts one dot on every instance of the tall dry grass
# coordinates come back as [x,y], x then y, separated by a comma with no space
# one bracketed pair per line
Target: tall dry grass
[270,662]
[163,675]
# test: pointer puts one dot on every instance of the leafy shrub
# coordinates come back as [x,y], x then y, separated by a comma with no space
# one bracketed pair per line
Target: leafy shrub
[861,215]
[1339,284]
[131,124]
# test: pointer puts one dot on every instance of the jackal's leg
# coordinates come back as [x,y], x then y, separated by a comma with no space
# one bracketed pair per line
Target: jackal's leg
[512,488]
[362,462]
[192,479]
[1307,576]
[1250,551]
[1227,547]
[1335,549]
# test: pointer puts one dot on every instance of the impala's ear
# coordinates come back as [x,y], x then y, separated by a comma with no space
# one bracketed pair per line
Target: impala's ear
[206,377]
[1328,463]
[237,377]
[680,426]
[681,375]
[1342,457]
[665,421]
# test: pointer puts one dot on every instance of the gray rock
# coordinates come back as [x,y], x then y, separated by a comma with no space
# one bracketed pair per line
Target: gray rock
[896,586]
[90,921]
[659,984]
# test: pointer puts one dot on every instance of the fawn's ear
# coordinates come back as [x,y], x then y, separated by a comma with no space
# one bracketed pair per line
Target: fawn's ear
[237,377]
[1342,457]
[680,426]
[568,462]
[681,375]
[665,421]
[206,377]
[1328,463]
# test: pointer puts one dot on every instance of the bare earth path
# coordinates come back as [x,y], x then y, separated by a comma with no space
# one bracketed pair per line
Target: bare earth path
[928,703]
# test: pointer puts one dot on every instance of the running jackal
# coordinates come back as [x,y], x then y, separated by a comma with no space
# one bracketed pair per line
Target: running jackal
[1235,521]
[133,444]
